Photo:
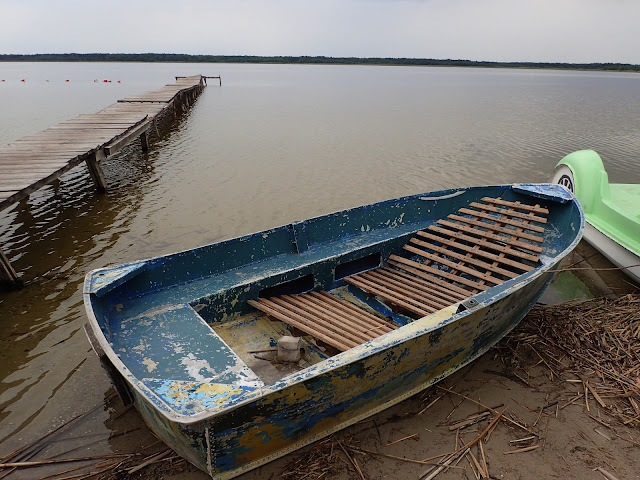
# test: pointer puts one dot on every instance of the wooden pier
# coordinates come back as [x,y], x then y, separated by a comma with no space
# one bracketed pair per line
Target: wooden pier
[32,162]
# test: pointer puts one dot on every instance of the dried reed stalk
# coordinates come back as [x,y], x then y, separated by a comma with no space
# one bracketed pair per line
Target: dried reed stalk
[597,340]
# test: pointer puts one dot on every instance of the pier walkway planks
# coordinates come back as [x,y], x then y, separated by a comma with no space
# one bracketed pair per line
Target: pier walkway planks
[32,162]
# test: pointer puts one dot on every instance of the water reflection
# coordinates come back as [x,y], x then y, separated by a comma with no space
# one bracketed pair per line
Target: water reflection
[54,237]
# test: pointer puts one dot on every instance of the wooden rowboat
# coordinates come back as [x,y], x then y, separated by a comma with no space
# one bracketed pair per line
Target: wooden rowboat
[242,351]
[612,211]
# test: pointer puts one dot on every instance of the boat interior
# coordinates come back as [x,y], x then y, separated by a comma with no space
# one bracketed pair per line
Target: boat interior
[483,245]
[235,316]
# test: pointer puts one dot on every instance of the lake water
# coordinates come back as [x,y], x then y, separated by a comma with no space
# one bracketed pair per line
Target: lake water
[273,145]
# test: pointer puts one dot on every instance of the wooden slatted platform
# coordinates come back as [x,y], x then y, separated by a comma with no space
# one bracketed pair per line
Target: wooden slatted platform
[479,247]
[451,262]
[34,161]
[334,321]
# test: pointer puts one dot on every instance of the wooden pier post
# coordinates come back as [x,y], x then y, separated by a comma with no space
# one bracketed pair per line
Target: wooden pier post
[8,275]
[144,141]
[93,164]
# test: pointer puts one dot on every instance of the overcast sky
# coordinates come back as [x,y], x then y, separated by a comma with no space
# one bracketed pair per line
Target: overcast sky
[498,30]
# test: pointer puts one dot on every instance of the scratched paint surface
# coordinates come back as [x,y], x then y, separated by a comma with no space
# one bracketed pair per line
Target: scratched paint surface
[310,405]
[191,369]
[200,396]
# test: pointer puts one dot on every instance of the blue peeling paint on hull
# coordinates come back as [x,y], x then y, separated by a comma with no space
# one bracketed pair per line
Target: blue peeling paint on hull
[152,328]
[287,419]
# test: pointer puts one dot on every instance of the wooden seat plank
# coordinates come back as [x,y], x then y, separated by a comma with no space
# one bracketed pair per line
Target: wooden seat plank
[436,293]
[474,261]
[496,228]
[363,322]
[483,253]
[375,323]
[383,292]
[492,236]
[510,213]
[502,219]
[406,265]
[273,309]
[497,247]
[331,320]
[486,276]
[401,286]
[526,221]
[327,316]
[436,271]
[429,283]
[519,205]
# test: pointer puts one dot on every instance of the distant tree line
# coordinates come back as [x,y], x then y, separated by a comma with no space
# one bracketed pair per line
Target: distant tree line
[185,58]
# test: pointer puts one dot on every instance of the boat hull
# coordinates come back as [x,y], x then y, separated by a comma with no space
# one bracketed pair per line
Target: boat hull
[613,251]
[157,324]
[612,225]
[303,410]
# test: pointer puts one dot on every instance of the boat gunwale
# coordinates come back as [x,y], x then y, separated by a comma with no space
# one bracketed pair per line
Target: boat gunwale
[88,287]
[388,340]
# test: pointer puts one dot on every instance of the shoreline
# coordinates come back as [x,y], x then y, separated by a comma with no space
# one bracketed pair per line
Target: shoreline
[311,60]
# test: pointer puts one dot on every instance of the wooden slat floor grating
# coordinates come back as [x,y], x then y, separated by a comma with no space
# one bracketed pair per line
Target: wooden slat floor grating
[334,321]
[449,265]
[474,259]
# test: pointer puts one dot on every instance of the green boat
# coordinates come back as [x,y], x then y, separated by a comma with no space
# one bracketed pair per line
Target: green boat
[612,210]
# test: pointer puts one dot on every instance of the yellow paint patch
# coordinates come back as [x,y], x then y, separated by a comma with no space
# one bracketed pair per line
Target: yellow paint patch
[437,317]
[258,444]
[179,391]
[222,390]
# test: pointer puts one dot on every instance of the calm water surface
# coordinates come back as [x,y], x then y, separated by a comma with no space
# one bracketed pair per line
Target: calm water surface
[273,145]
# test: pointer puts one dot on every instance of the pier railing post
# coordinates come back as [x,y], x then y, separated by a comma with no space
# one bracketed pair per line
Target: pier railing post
[93,164]
[144,141]
[204,78]
[7,274]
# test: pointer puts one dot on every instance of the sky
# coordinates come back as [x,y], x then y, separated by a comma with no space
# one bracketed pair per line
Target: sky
[573,31]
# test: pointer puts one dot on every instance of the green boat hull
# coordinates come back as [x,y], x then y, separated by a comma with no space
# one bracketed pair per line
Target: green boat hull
[612,211]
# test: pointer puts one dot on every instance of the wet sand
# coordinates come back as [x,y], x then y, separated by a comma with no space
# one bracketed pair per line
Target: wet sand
[574,442]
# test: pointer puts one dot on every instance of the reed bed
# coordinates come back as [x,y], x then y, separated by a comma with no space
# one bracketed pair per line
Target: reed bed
[593,343]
